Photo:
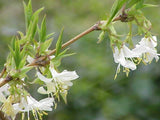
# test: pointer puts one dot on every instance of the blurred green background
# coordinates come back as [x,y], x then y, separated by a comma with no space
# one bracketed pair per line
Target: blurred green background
[95,95]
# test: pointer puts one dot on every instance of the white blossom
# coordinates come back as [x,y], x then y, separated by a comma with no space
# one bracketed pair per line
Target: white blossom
[63,79]
[146,49]
[30,104]
[124,58]
[3,92]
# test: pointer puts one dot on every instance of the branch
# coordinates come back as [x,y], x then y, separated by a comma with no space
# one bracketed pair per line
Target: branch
[3,71]
[37,61]
[6,80]
[40,61]
[3,117]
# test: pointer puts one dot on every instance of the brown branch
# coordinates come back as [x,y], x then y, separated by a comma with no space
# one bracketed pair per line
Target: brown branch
[3,71]
[38,61]
[6,80]
[93,28]
[3,117]
[42,60]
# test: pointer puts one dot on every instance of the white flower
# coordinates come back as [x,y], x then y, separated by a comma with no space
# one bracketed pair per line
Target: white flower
[3,92]
[124,57]
[30,104]
[146,49]
[63,79]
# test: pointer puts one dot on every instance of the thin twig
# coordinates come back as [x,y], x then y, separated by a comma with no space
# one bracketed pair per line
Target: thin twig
[3,71]
[3,117]
[92,28]
[6,80]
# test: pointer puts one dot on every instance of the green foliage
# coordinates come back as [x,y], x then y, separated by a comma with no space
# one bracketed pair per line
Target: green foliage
[59,43]
[32,28]
[101,37]
[45,45]
[115,9]
[17,54]
[42,31]
[96,95]
[28,13]
[63,54]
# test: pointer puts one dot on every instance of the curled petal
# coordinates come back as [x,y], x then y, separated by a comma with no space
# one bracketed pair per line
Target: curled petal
[67,75]
[44,79]
[42,90]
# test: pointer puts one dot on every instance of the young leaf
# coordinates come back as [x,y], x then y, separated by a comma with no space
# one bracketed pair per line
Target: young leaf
[49,35]
[64,96]
[149,5]
[17,57]
[42,32]
[57,60]
[115,9]
[44,46]
[101,37]
[59,43]
[130,3]
[28,12]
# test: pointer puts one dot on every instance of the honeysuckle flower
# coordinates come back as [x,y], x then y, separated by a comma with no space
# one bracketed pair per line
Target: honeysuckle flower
[62,80]
[123,57]
[37,107]
[3,92]
[146,49]
[8,109]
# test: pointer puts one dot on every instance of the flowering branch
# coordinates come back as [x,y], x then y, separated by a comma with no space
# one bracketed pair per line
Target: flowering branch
[91,29]
[27,53]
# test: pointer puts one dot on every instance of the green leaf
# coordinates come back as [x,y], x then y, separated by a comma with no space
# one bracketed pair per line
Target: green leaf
[139,5]
[130,3]
[13,43]
[49,35]
[22,72]
[25,69]
[42,33]
[57,60]
[32,28]
[101,37]
[28,12]
[18,54]
[64,96]
[17,57]
[59,43]
[21,34]
[115,9]
[44,46]
[149,5]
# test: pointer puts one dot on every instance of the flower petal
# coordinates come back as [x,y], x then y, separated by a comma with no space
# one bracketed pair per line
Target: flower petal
[67,75]
[119,56]
[128,53]
[44,79]
[41,90]
[129,64]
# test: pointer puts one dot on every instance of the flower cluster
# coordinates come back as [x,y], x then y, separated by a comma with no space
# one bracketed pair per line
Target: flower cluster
[24,102]
[144,51]
[60,82]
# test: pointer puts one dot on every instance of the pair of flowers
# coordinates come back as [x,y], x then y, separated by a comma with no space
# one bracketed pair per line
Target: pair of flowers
[145,50]
[60,82]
